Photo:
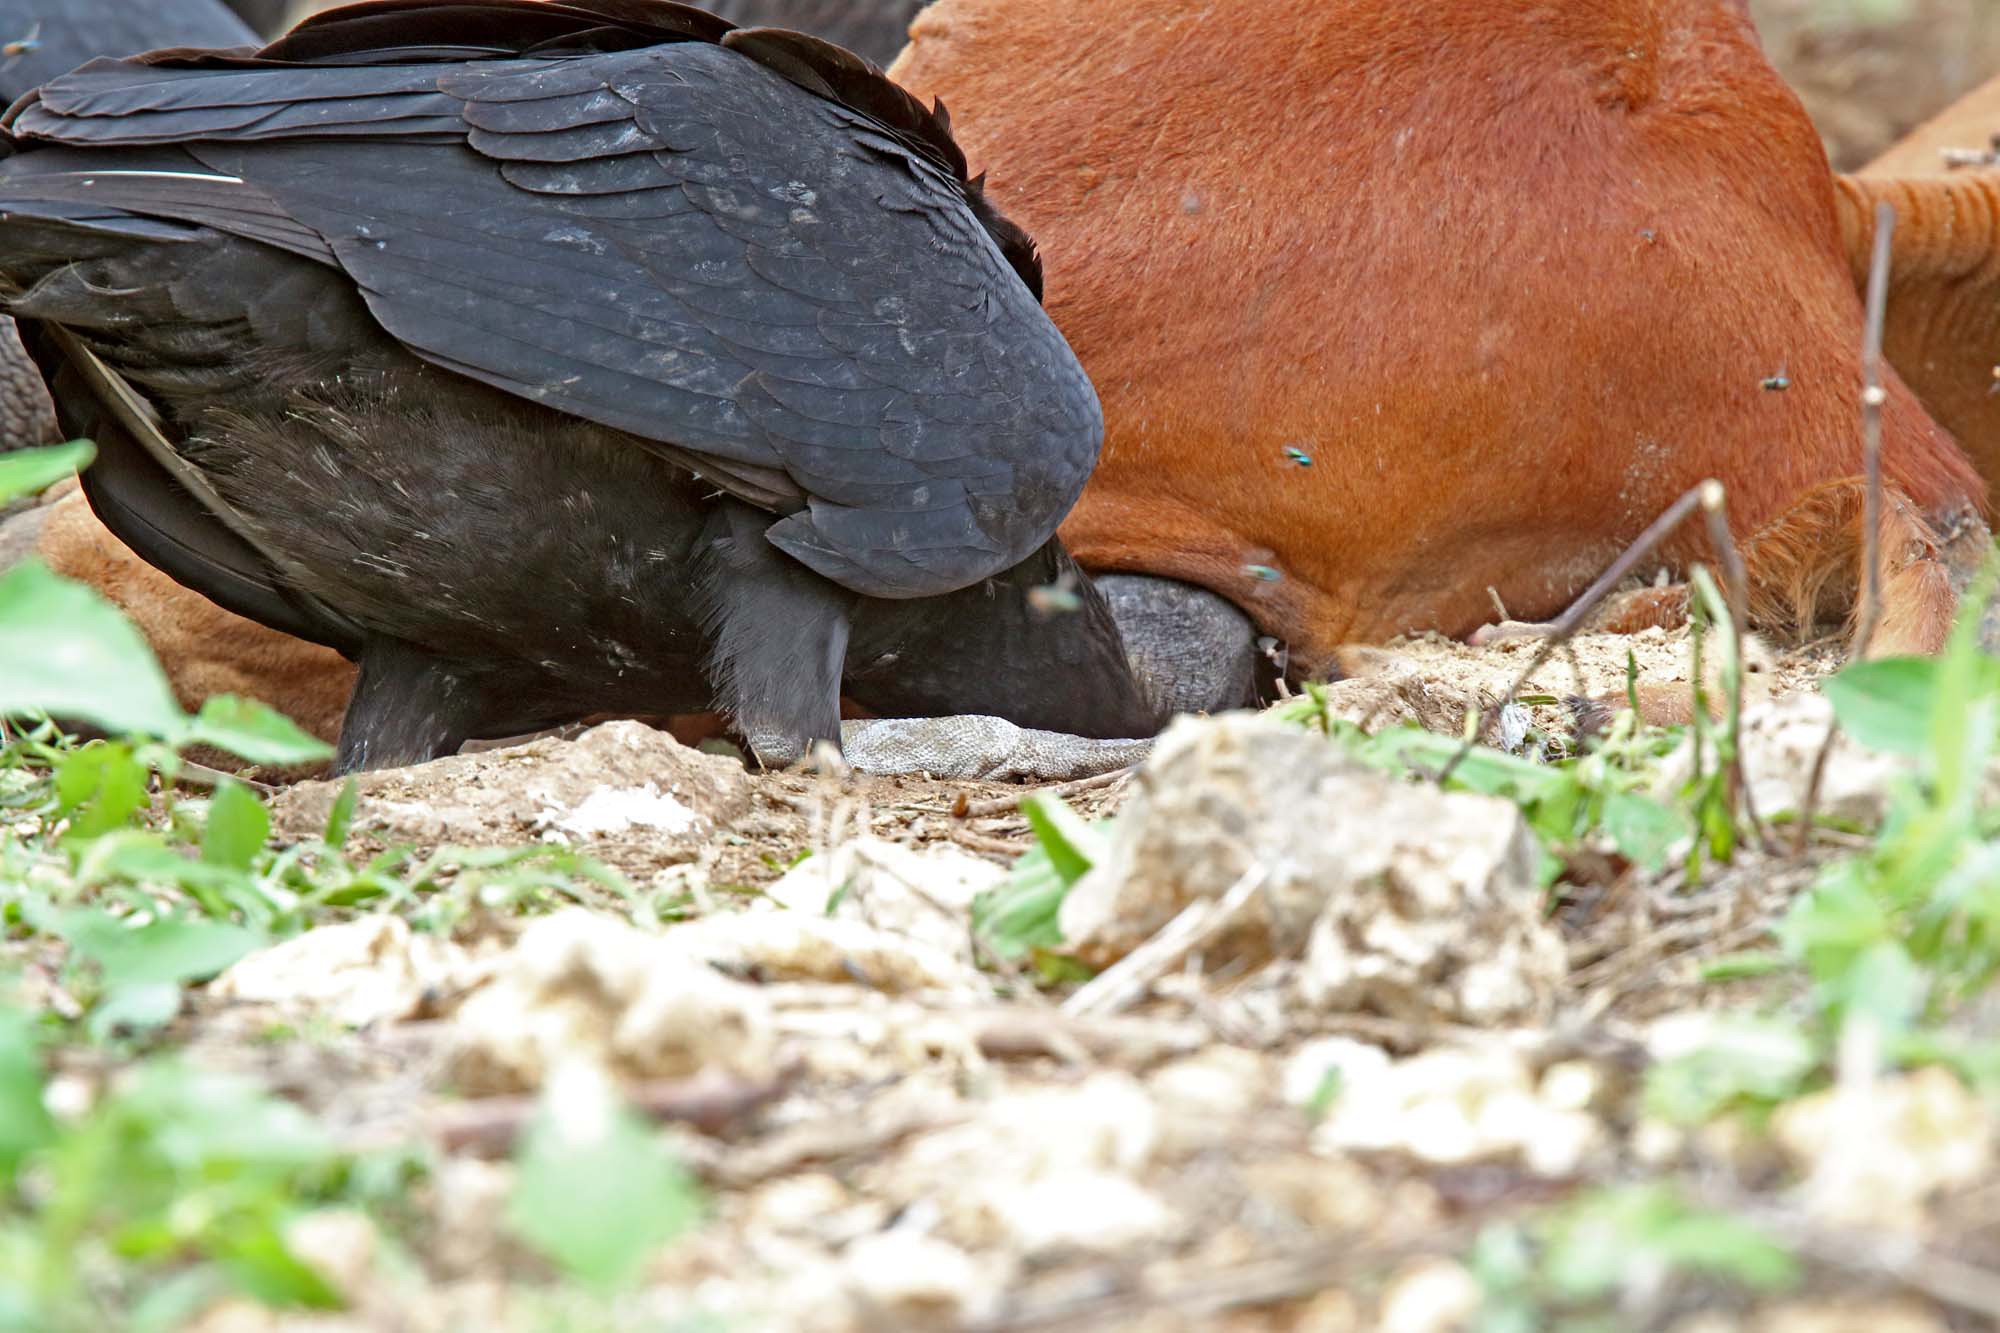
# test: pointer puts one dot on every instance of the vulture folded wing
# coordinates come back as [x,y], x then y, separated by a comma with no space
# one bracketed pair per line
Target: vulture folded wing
[767,263]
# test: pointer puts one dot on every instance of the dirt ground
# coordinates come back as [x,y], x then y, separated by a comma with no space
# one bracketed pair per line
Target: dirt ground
[893,1137]
[1870,71]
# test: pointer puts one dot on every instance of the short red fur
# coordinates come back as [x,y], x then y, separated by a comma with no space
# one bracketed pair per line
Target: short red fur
[1512,274]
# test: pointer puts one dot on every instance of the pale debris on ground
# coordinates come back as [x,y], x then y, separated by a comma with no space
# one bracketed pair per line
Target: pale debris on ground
[625,792]
[940,1154]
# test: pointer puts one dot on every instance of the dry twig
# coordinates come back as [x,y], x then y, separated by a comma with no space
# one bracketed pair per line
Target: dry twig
[1872,398]
[711,1101]
[1001,805]
[1559,633]
[1124,982]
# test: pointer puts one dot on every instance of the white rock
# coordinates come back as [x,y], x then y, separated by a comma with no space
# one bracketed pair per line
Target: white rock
[1875,1153]
[1454,1106]
[619,809]
[1404,899]
[1088,1212]
[922,893]
[918,1281]
[579,984]
[371,970]
[800,946]
[1353,1061]
[1781,740]
[1018,1175]
[1430,1296]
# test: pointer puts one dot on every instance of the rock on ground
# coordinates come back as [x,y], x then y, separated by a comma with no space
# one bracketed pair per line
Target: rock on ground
[624,792]
[1401,898]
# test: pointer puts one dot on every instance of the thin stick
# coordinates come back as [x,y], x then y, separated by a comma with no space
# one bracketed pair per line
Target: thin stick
[1736,587]
[1124,982]
[1566,626]
[1872,398]
[201,775]
[710,1101]
[1001,805]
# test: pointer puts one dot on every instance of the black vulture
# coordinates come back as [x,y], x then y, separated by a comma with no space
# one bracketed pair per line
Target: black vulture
[552,359]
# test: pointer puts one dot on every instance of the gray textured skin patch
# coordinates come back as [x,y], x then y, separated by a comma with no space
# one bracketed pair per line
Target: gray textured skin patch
[1195,650]
[26,416]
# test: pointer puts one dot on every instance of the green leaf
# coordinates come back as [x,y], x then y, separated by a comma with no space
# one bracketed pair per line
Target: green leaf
[264,1266]
[197,1119]
[136,1007]
[100,787]
[1883,984]
[340,819]
[170,950]
[595,1191]
[26,471]
[237,827]
[1743,1059]
[67,652]
[1614,1235]
[1643,830]
[253,731]
[131,856]
[24,1122]
[1743,966]
[1017,917]
[1073,847]
[1885,704]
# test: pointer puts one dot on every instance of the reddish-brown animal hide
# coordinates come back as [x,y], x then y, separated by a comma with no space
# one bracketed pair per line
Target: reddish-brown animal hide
[1943,333]
[1512,275]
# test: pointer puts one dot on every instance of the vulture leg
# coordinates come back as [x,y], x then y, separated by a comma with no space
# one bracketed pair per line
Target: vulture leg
[779,635]
[408,707]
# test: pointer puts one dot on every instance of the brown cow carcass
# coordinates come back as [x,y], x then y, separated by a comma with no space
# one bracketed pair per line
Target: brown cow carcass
[1511,276]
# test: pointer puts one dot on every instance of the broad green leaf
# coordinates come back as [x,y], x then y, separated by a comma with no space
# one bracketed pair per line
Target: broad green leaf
[138,1007]
[340,819]
[237,827]
[1073,847]
[1610,1236]
[26,471]
[263,1265]
[67,652]
[1886,704]
[199,1118]
[1835,921]
[24,1122]
[137,857]
[100,787]
[253,731]
[171,950]
[1643,830]
[595,1191]
[1883,984]
[1742,1059]
[1743,966]
[1020,916]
